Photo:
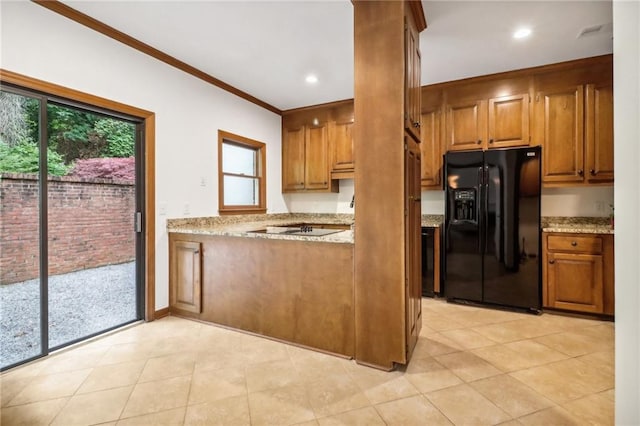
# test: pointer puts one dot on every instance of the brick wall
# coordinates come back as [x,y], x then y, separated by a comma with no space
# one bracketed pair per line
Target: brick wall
[90,224]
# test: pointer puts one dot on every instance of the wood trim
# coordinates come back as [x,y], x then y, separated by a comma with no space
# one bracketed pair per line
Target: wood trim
[9,77]
[161,313]
[150,215]
[418,14]
[526,72]
[327,105]
[89,22]
[261,147]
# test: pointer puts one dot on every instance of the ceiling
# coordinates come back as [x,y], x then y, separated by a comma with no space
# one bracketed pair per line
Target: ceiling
[267,48]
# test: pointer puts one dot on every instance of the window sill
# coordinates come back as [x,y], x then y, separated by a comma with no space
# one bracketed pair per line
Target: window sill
[241,210]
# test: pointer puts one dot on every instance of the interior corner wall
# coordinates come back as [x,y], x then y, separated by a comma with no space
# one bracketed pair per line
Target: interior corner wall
[626,87]
[41,44]
[322,202]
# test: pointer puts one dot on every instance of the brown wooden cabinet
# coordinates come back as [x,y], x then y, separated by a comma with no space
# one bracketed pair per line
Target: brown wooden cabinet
[413,72]
[578,272]
[317,147]
[293,159]
[498,122]
[508,124]
[574,124]
[431,149]
[413,273]
[305,159]
[599,132]
[185,293]
[341,130]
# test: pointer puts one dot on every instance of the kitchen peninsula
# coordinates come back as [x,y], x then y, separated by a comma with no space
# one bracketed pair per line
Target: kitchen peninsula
[294,288]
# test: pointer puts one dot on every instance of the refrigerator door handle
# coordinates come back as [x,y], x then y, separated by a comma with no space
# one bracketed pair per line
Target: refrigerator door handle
[486,208]
[479,208]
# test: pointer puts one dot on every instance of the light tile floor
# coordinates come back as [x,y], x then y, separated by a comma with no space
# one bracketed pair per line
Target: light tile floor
[471,366]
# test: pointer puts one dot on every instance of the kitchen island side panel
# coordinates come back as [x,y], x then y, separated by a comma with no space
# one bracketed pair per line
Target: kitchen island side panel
[296,291]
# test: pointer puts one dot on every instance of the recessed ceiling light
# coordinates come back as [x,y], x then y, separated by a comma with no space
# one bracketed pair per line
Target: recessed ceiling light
[522,33]
[311,79]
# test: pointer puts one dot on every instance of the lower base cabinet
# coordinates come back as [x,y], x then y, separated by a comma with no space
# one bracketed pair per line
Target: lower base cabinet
[185,283]
[578,272]
[294,291]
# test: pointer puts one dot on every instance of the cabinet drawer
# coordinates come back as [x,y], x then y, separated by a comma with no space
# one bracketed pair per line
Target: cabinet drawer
[574,244]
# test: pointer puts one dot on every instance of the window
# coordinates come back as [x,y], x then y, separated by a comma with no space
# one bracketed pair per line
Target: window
[241,175]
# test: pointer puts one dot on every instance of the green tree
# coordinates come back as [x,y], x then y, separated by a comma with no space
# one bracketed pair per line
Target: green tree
[119,135]
[25,158]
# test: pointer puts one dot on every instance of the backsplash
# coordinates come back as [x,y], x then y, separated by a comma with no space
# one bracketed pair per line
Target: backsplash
[574,201]
[577,201]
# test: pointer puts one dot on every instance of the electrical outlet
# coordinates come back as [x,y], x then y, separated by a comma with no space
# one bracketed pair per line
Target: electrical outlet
[203,181]
[162,209]
[600,206]
[185,209]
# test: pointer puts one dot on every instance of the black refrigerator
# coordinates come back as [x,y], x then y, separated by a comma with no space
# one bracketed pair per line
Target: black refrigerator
[492,227]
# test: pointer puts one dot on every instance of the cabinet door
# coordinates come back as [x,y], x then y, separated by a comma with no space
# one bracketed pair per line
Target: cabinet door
[413,93]
[293,158]
[575,282]
[562,134]
[316,170]
[342,146]
[431,150]
[509,121]
[413,278]
[185,285]
[599,132]
[466,125]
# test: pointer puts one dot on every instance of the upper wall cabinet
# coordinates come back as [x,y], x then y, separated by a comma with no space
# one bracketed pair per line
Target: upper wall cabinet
[317,147]
[431,130]
[412,95]
[574,125]
[341,128]
[497,122]
[305,159]
[567,108]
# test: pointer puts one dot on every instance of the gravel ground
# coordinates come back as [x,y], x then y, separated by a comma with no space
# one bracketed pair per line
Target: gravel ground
[80,303]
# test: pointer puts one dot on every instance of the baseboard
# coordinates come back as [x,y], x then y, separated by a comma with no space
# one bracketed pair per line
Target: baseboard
[161,313]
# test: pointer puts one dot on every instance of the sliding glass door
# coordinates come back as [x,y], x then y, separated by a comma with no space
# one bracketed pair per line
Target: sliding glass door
[72,223]
[22,291]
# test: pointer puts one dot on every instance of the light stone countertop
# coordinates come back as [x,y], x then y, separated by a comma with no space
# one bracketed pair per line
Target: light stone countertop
[432,220]
[577,225]
[241,225]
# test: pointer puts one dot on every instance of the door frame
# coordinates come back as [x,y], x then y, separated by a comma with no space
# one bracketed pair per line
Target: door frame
[148,125]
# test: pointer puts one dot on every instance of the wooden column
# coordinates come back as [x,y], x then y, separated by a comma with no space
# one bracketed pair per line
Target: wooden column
[379,145]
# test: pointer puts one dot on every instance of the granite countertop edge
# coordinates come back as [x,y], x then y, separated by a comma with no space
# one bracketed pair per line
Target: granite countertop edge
[577,225]
[242,225]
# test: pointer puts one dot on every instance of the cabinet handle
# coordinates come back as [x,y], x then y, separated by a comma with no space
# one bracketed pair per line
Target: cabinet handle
[479,141]
[490,140]
[593,172]
[325,183]
[573,244]
[581,172]
[552,261]
[196,251]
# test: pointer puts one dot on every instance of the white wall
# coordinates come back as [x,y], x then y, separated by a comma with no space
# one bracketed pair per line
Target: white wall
[323,202]
[41,44]
[626,87]
[554,202]
[576,201]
